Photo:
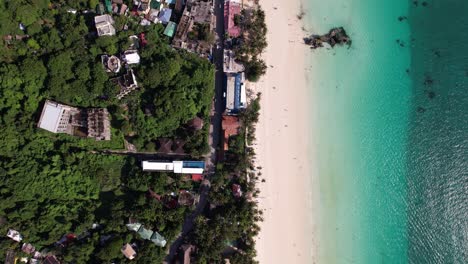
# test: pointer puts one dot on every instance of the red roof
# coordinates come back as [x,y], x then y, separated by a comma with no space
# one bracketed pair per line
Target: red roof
[230,10]
[230,126]
[197,177]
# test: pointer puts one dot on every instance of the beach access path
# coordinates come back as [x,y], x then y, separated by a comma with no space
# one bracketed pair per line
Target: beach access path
[287,234]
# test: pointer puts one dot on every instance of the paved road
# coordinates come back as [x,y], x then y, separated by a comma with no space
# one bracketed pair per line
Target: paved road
[215,129]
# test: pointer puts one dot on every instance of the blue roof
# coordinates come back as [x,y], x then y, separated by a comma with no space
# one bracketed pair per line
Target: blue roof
[237,91]
[193,164]
[170,1]
[165,15]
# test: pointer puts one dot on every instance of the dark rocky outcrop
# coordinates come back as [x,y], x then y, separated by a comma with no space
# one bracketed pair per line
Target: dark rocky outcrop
[336,36]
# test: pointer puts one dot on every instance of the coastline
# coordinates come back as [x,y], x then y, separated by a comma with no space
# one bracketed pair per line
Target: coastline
[288,232]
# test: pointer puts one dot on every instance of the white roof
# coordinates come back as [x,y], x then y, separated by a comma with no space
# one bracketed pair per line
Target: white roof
[192,170]
[132,57]
[50,117]
[178,166]
[175,166]
[157,166]
[243,98]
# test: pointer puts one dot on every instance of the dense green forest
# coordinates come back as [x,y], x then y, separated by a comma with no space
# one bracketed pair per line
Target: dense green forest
[55,184]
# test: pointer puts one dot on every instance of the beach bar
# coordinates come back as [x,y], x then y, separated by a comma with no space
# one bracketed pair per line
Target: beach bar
[181,167]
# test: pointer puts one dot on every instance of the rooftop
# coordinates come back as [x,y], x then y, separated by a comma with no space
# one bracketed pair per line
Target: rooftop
[231,9]
[104,25]
[128,251]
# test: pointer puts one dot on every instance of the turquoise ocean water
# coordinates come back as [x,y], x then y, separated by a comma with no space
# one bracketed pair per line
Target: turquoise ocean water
[391,131]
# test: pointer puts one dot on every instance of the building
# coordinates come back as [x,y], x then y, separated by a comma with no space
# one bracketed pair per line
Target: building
[15,235]
[147,234]
[170,29]
[131,57]
[229,63]
[104,25]
[144,7]
[165,15]
[184,167]
[51,259]
[236,95]
[231,10]
[99,124]
[196,123]
[127,83]
[230,126]
[111,64]
[28,248]
[195,12]
[186,251]
[128,251]
[59,118]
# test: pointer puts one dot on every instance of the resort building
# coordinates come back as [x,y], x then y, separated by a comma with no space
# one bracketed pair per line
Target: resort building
[104,25]
[229,63]
[231,10]
[183,167]
[236,95]
[128,251]
[230,125]
[59,118]
[110,63]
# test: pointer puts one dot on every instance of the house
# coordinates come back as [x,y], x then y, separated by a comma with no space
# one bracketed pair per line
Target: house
[170,29]
[51,259]
[229,63]
[186,251]
[28,248]
[131,57]
[236,98]
[183,167]
[127,83]
[165,15]
[10,257]
[186,198]
[236,190]
[59,118]
[128,251]
[15,235]
[104,25]
[196,123]
[231,10]
[197,177]
[158,240]
[230,126]
[147,234]
[111,64]
[144,7]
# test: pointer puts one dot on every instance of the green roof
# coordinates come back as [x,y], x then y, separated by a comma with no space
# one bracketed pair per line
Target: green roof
[134,227]
[155,5]
[108,6]
[170,29]
[145,233]
[159,240]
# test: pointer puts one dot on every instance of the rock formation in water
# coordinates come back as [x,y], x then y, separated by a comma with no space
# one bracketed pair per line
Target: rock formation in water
[336,36]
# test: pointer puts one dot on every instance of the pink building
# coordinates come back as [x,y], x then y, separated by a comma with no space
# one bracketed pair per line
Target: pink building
[230,10]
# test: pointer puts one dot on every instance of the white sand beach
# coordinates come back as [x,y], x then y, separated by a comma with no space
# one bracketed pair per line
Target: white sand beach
[288,232]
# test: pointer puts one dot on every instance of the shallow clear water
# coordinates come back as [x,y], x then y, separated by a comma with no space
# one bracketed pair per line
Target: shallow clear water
[392,162]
